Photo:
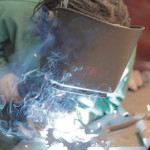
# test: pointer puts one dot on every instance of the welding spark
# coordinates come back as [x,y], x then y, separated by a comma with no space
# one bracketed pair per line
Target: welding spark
[45,77]
[64,131]
[35,55]
[115,113]
[148,113]
[26,146]
[148,107]
[98,125]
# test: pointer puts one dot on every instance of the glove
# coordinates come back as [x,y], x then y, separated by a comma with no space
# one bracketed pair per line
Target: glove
[8,87]
[135,81]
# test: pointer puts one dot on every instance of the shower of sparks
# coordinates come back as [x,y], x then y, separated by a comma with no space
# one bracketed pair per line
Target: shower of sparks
[64,131]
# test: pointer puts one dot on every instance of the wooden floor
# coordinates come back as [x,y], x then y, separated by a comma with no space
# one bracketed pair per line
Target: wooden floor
[135,103]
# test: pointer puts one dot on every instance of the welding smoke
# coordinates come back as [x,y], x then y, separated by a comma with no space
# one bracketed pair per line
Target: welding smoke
[39,98]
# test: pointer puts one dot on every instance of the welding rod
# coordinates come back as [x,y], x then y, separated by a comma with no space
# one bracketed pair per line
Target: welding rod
[122,123]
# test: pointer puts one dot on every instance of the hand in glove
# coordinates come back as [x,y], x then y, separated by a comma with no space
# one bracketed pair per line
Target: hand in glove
[8,87]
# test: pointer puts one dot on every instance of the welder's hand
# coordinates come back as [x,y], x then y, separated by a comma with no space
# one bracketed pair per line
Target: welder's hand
[135,80]
[8,87]
[138,79]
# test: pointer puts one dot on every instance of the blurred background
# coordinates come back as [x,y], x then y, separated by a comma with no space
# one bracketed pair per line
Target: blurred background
[140,15]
